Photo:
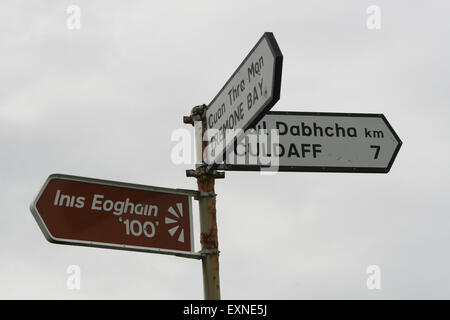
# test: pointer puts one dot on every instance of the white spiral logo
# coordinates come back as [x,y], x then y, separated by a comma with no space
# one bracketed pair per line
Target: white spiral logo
[174,219]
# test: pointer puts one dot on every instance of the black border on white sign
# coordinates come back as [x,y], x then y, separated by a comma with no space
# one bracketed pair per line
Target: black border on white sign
[276,83]
[228,167]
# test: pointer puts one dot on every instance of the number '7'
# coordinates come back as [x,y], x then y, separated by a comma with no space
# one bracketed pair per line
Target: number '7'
[377,151]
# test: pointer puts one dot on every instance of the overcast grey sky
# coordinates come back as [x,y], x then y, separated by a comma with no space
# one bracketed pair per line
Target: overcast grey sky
[102,101]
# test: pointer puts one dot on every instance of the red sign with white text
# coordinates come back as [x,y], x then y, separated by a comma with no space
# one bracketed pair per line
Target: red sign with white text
[85,211]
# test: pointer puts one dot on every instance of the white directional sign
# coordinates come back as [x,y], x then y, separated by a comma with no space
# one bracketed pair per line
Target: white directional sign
[250,92]
[316,142]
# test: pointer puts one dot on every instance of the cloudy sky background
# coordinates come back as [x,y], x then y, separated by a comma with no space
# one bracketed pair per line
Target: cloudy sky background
[104,100]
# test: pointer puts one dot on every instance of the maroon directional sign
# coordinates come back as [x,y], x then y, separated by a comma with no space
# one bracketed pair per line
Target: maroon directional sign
[98,213]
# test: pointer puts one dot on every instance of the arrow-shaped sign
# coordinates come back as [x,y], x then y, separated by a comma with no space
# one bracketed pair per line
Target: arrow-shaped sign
[317,142]
[250,92]
[108,214]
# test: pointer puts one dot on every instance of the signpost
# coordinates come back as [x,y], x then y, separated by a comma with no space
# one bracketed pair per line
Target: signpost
[98,213]
[107,214]
[250,92]
[317,142]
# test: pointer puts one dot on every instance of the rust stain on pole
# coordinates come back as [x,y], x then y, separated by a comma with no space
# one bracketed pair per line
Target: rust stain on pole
[208,238]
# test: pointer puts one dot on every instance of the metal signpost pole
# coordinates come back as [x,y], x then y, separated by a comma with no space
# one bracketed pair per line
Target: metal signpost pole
[207,205]
[208,238]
